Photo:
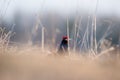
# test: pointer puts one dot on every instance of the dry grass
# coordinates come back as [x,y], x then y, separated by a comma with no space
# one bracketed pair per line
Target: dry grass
[30,63]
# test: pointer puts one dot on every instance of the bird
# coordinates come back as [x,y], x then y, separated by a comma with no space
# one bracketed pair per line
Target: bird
[63,48]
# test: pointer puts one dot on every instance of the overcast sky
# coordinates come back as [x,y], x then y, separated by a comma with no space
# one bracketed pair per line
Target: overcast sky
[63,6]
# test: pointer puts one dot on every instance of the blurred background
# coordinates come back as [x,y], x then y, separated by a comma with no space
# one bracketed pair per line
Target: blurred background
[27,17]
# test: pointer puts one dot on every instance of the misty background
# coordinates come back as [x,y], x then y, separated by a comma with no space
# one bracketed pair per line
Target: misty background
[27,17]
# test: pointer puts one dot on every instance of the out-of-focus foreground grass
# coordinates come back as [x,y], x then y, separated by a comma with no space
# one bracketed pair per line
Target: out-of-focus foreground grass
[30,63]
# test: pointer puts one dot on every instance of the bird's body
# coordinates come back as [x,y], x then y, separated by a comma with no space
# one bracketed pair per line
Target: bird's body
[63,46]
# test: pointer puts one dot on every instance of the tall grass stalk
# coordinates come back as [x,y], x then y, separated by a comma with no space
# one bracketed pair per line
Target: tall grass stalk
[68,35]
[43,29]
[94,40]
